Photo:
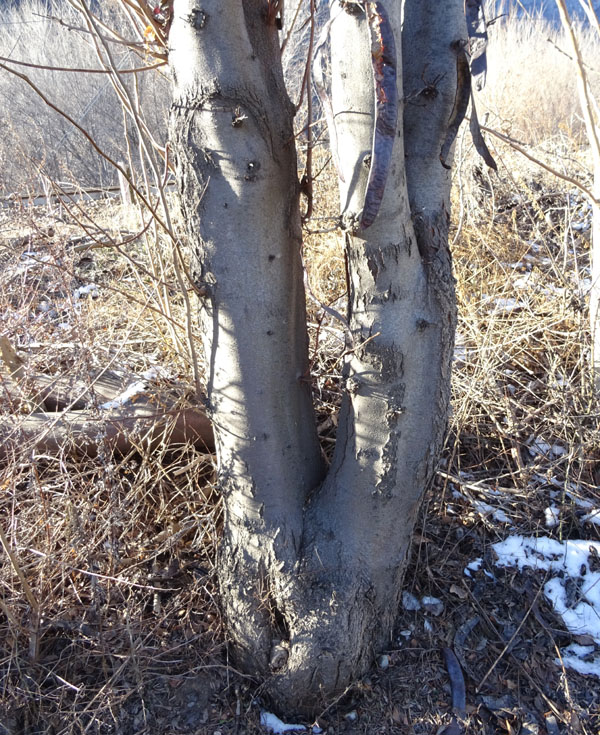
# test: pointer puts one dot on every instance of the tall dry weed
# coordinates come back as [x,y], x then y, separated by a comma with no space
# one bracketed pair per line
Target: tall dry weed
[35,137]
[531,90]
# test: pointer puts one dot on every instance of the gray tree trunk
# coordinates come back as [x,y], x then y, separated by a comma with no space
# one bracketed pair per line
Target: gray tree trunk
[589,109]
[311,566]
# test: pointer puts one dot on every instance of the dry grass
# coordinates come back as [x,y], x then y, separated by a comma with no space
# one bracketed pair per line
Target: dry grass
[531,90]
[108,618]
[37,143]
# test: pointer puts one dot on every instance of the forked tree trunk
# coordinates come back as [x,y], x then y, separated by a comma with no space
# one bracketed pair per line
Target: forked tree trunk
[310,567]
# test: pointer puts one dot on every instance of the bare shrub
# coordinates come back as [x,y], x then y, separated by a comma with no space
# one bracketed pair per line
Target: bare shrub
[531,86]
[35,137]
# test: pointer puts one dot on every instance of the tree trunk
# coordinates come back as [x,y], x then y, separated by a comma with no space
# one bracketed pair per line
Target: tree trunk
[589,108]
[310,569]
[595,288]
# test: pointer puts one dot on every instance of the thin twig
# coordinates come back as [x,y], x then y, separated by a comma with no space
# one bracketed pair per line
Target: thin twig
[76,70]
[565,177]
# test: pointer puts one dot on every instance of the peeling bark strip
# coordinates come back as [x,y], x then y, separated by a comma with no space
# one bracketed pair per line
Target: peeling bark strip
[321,90]
[461,101]
[457,682]
[478,38]
[383,56]
[478,139]
[464,94]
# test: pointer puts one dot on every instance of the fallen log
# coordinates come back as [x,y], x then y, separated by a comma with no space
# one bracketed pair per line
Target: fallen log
[141,426]
[109,411]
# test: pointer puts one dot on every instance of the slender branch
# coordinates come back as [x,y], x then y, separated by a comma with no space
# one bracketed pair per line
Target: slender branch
[591,14]
[559,174]
[81,71]
[292,26]
[307,179]
[586,98]
[113,36]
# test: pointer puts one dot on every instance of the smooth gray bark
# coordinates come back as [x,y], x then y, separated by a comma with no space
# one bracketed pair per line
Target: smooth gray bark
[589,109]
[311,572]
[232,136]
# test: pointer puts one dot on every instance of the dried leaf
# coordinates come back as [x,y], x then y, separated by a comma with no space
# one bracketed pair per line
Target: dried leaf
[459,591]
[478,141]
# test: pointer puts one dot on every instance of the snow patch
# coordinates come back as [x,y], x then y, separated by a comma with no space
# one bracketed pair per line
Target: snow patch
[574,592]
[544,449]
[552,516]
[486,509]
[135,389]
[580,658]
[90,290]
[474,566]
[276,726]
[410,602]
[506,304]
[593,517]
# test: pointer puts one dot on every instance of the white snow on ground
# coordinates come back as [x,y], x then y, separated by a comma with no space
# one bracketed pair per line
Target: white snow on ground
[138,387]
[544,449]
[125,397]
[409,601]
[276,726]
[581,659]
[573,591]
[552,516]
[484,509]
[156,372]
[593,517]
[473,566]
[90,290]
[505,304]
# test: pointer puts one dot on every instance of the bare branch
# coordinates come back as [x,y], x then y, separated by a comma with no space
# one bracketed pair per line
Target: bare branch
[524,152]
[30,65]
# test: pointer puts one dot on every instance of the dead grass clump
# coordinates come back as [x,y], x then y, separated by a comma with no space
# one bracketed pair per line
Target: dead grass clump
[107,566]
[531,84]
[109,583]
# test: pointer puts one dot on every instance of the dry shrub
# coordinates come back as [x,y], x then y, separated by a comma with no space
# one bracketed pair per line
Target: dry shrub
[523,401]
[36,140]
[109,580]
[531,83]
